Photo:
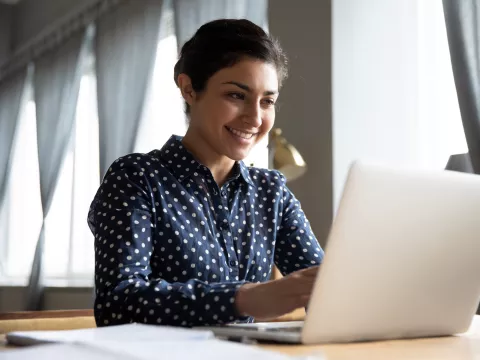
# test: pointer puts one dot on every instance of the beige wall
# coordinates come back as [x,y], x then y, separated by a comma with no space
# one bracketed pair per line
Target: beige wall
[13,298]
[304,29]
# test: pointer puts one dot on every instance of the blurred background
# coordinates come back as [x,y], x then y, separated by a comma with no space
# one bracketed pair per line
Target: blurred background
[83,82]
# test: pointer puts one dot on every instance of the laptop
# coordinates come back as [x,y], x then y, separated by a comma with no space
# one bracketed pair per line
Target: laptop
[402,261]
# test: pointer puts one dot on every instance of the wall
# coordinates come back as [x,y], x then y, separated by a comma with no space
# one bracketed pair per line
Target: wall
[374,83]
[33,16]
[304,29]
[6,15]
[14,298]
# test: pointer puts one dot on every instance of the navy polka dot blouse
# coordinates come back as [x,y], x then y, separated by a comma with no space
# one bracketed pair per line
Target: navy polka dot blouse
[172,247]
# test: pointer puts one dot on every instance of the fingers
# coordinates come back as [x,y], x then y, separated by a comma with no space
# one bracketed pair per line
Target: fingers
[296,287]
[311,271]
[300,283]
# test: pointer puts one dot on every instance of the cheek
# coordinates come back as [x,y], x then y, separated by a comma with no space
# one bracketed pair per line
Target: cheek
[222,112]
[268,121]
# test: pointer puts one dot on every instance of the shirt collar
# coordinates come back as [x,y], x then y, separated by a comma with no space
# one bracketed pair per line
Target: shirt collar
[245,173]
[183,164]
[180,161]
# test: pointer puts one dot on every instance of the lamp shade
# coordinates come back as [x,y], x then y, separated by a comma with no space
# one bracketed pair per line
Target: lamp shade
[284,157]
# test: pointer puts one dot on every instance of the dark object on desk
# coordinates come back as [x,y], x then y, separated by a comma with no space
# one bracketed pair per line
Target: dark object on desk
[460,163]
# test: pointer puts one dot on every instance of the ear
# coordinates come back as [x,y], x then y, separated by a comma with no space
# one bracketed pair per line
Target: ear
[185,85]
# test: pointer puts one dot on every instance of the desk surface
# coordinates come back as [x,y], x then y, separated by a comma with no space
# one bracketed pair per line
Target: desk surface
[465,346]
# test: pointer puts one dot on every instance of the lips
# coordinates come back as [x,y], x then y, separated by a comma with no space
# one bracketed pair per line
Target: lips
[242,134]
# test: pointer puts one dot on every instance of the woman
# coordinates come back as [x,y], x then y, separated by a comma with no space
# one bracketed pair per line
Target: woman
[187,235]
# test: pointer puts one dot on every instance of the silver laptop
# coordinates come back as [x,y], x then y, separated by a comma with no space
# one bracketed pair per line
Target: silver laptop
[402,261]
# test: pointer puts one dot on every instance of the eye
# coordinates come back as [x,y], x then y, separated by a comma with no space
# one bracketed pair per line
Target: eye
[269,102]
[237,96]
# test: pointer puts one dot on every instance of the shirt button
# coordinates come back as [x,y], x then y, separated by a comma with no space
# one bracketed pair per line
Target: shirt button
[224,193]
[232,262]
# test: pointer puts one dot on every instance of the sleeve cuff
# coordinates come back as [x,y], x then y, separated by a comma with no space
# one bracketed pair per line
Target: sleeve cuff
[219,304]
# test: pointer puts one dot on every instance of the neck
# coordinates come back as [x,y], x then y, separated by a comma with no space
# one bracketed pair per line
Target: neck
[219,165]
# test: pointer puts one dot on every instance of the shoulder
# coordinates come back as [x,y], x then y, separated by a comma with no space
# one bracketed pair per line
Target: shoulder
[267,177]
[138,167]
[135,162]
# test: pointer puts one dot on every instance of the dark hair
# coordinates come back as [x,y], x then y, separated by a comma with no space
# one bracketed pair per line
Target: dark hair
[223,43]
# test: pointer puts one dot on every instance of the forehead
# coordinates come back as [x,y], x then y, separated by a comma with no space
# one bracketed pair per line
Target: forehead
[256,74]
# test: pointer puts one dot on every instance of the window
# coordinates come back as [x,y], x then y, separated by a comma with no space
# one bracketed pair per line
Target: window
[439,130]
[163,109]
[69,252]
[24,209]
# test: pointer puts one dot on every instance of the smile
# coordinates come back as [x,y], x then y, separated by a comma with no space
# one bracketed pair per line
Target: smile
[242,134]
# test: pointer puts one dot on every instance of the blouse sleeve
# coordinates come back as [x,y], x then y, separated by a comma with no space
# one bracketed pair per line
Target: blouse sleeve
[297,247]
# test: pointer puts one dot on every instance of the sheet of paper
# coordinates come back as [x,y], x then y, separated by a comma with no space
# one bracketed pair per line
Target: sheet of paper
[212,349]
[120,333]
[59,351]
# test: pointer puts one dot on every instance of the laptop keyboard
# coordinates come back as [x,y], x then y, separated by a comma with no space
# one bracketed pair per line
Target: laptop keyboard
[292,329]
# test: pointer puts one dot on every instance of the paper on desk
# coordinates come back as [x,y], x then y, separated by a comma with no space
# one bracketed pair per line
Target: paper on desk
[119,333]
[58,351]
[211,349]
[146,350]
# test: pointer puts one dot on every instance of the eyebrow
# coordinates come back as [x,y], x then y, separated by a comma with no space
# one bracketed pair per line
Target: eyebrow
[247,88]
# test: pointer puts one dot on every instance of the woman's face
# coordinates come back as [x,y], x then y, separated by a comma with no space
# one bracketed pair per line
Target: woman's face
[236,110]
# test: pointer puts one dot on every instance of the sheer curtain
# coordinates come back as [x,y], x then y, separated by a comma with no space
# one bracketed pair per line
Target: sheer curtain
[69,254]
[125,51]
[23,192]
[68,249]
[191,14]
[56,86]
[12,100]
[163,107]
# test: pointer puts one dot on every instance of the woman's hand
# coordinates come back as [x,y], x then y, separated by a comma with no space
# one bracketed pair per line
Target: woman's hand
[277,297]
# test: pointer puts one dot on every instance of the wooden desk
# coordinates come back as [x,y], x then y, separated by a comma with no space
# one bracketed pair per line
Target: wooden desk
[465,346]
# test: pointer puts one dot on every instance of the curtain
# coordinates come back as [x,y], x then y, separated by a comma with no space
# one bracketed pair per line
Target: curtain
[56,86]
[12,93]
[462,20]
[191,14]
[125,53]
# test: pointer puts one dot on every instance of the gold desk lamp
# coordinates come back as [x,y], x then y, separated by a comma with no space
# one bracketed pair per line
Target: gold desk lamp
[284,157]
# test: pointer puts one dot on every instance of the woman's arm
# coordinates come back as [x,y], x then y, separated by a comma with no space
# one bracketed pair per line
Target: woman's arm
[296,246]
[122,218]
[297,254]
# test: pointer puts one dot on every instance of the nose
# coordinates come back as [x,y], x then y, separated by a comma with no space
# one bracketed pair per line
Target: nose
[253,115]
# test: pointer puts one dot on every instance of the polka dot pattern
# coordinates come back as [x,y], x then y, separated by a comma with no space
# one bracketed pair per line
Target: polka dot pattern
[172,248]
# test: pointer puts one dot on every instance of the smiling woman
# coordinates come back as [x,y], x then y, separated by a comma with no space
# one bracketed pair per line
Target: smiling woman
[187,235]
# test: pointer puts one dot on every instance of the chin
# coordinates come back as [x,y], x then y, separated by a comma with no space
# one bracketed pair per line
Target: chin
[237,155]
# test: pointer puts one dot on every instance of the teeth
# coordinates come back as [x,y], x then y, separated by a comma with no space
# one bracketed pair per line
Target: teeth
[241,133]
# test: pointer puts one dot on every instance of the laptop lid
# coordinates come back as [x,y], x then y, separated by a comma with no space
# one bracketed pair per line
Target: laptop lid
[402,259]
